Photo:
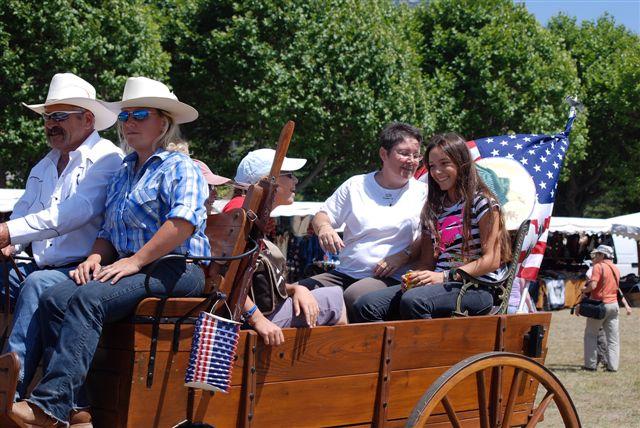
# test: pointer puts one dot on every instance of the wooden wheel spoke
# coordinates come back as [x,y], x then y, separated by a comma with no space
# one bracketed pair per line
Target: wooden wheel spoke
[496,394]
[451,412]
[482,399]
[539,412]
[511,401]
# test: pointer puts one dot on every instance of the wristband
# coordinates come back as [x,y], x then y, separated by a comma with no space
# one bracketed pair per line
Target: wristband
[247,315]
[451,275]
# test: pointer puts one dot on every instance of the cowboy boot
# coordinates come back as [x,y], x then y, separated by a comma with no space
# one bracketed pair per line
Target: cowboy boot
[9,369]
[31,416]
[80,419]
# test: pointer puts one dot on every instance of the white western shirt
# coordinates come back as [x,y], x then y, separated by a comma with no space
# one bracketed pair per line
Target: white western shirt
[61,216]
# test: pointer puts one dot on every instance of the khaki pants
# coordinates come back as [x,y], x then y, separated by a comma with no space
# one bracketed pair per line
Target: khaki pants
[609,325]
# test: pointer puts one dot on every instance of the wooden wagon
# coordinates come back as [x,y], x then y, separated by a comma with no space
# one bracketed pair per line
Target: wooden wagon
[482,371]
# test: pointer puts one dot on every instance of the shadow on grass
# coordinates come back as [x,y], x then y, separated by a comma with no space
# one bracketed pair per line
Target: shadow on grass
[566,368]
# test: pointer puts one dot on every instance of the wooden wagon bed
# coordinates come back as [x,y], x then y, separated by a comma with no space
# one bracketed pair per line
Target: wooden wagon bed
[355,375]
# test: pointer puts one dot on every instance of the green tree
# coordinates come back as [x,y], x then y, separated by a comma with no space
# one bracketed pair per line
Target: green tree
[104,42]
[492,68]
[605,181]
[340,68]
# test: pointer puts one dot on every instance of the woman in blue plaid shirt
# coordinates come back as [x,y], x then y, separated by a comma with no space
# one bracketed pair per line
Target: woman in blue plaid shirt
[155,206]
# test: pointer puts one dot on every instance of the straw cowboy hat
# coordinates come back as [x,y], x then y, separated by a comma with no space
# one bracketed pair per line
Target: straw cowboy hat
[67,88]
[145,92]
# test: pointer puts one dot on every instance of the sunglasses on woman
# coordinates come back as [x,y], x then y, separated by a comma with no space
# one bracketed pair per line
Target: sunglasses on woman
[59,116]
[138,115]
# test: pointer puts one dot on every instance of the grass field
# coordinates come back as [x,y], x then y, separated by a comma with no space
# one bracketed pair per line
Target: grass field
[602,399]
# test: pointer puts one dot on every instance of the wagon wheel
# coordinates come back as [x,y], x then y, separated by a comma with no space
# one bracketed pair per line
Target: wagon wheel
[494,363]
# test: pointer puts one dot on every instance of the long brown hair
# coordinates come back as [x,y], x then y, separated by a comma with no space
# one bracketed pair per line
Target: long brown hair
[468,184]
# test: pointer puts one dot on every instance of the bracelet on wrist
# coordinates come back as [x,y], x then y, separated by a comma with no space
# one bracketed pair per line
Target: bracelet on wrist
[246,315]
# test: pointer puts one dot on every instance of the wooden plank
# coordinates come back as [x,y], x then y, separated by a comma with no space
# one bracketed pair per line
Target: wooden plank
[174,307]
[519,325]
[334,401]
[165,403]
[441,342]
[331,401]
[321,352]
[384,377]
[407,386]
[249,380]
[467,419]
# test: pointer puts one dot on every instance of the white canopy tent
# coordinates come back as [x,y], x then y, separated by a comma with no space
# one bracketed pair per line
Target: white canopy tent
[627,226]
[8,198]
[625,231]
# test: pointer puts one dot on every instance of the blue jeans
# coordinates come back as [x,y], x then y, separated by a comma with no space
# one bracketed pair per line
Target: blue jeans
[428,301]
[72,318]
[25,338]
[14,283]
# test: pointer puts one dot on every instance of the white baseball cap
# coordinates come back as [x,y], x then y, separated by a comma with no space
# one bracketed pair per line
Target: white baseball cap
[257,164]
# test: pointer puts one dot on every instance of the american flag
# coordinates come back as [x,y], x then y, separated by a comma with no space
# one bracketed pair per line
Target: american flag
[542,156]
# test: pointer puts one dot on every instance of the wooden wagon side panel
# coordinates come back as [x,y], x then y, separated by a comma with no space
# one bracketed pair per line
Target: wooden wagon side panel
[318,377]
[425,349]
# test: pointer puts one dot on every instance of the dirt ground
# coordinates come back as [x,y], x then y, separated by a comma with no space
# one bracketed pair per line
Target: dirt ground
[603,399]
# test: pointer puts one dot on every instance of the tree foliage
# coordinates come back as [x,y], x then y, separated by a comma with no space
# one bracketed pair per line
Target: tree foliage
[495,68]
[340,68]
[103,42]
[605,181]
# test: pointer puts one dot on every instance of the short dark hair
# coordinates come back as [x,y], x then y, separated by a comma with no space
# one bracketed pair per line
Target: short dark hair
[396,132]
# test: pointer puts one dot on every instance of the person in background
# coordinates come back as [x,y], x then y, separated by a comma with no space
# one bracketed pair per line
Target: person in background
[62,207]
[302,308]
[603,285]
[380,212]
[154,206]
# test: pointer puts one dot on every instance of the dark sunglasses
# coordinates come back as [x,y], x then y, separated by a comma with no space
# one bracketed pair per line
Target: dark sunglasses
[138,115]
[290,175]
[59,116]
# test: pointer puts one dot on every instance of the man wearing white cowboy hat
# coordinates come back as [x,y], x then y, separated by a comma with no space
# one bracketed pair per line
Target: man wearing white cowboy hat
[61,209]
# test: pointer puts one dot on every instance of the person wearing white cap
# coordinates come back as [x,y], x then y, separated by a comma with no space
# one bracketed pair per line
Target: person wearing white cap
[255,165]
[302,308]
[154,206]
[61,209]
[603,286]
[380,212]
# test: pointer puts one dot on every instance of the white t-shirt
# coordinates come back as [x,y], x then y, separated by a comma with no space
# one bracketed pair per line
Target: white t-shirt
[378,221]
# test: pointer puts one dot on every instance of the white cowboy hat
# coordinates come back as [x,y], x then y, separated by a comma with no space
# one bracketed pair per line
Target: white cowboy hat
[145,92]
[67,88]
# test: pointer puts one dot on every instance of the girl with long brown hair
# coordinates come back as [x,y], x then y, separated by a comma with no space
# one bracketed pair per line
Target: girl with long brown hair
[462,228]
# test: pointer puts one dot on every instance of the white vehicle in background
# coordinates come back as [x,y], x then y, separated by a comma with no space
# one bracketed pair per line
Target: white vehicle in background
[626,250]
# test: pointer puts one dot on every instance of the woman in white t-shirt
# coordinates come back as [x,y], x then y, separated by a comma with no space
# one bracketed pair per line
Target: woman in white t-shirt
[462,228]
[380,212]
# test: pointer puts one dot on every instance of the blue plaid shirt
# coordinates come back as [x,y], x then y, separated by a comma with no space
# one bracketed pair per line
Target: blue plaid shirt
[169,185]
